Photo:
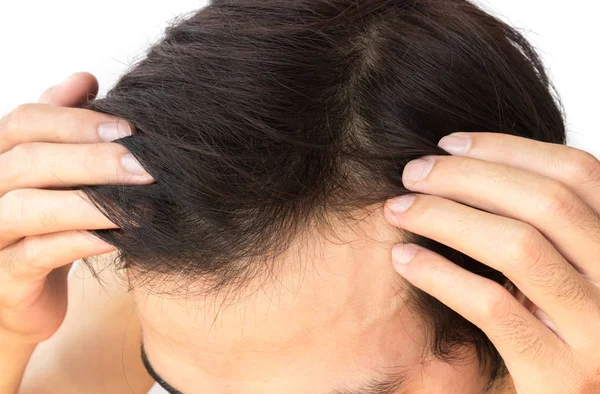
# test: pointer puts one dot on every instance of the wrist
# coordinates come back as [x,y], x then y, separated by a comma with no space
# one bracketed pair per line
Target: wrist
[13,361]
[16,348]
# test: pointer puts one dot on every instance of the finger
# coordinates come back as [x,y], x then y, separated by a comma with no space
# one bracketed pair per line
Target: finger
[74,91]
[573,167]
[545,203]
[36,256]
[525,344]
[49,123]
[512,247]
[27,212]
[44,165]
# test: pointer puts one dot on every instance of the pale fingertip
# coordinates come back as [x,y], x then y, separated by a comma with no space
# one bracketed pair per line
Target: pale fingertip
[101,246]
[403,254]
[112,131]
[133,166]
[417,170]
[456,143]
[545,319]
[46,96]
[398,205]
[390,216]
[73,268]
[590,280]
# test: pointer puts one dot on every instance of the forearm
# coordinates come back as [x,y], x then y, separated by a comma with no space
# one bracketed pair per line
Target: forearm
[13,360]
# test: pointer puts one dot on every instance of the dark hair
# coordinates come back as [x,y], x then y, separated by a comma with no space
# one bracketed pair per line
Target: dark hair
[260,118]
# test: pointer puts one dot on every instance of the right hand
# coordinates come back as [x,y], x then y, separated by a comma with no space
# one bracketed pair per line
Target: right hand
[51,144]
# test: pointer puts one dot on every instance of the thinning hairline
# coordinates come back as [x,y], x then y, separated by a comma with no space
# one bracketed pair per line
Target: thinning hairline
[386,384]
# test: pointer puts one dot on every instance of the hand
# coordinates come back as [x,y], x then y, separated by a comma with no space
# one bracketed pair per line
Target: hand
[47,146]
[542,231]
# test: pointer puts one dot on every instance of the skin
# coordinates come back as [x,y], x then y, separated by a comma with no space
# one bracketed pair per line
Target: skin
[313,328]
[96,349]
[68,359]
[542,233]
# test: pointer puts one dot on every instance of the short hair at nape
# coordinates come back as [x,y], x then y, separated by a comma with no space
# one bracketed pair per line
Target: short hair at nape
[259,119]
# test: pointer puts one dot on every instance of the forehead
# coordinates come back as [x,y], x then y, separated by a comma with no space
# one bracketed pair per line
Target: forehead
[336,318]
[313,337]
[341,288]
[388,383]
[312,333]
[326,379]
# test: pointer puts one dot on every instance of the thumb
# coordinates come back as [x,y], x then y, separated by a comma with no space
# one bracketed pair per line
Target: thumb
[74,91]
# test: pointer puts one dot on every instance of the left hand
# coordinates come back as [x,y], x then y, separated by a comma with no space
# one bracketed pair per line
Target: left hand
[541,230]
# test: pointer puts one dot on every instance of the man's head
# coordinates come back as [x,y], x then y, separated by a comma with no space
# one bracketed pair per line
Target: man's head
[335,321]
[275,131]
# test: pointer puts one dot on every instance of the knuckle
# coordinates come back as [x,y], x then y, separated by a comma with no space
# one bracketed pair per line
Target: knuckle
[581,167]
[15,119]
[522,245]
[556,199]
[29,251]
[526,253]
[22,153]
[12,162]
[12,210]
[9,171]
[496,305]
[504,323]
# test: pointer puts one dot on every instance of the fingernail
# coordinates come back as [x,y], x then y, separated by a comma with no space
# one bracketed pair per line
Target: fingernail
[72,269]
[403,253]
[590,280]
[131,164]
[417,170]
[114,130]
[545,319]
[456,143]
[401,204]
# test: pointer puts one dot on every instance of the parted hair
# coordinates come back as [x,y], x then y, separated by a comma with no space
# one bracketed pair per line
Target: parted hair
[260,119]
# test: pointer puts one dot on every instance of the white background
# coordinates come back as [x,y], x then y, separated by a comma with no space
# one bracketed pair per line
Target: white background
[43,41]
